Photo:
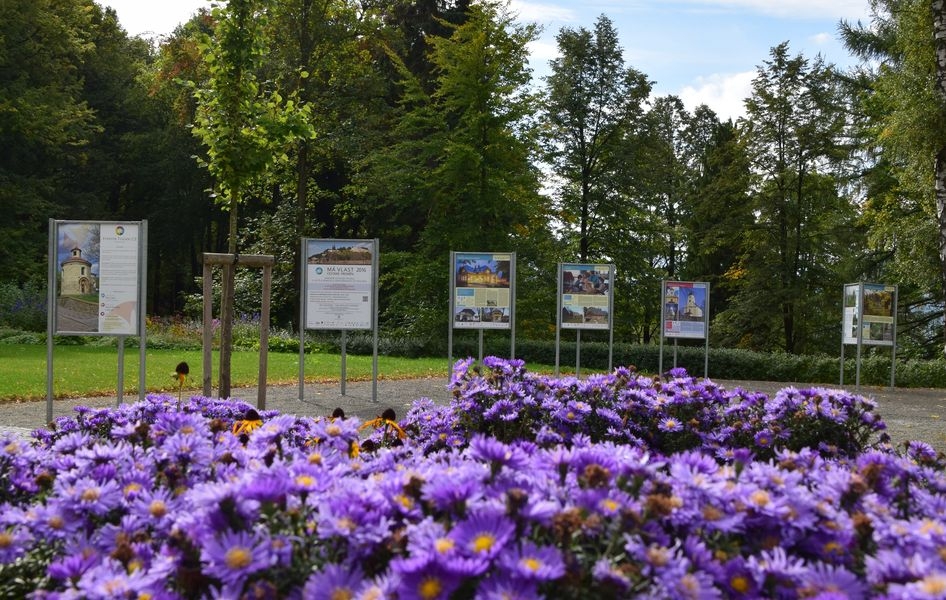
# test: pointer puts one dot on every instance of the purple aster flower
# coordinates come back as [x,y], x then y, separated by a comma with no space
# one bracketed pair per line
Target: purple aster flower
[110,579]
[233,556]
[532,562]
[483,534]
[493,451]
[333,582]
[89,497]
[499,587]
[822,580]
[670,424]
[609,576]
[14,542]
[427,584]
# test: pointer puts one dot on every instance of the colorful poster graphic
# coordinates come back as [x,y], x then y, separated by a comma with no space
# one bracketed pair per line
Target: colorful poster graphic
[869,309]
[586,296]
[98,277]
[339,284]
[482,291]
[684,309]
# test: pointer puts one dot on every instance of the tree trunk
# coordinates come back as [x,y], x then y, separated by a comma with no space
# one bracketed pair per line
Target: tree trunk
[226,304]
[939,41]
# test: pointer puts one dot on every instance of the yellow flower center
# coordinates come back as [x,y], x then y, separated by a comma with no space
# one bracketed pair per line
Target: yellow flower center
[658,556]
[443,545]
[532,564]
[6,540]
[158,508]
[315,458]
[429,588]
[12,448]
[934,585]
[305,480]
[483,542]
[609,505]
[333,430]
[55,522]
[341,594]
[187,429]
[759,498]
[238,558]
[132,488]
[739,584]
[90,495]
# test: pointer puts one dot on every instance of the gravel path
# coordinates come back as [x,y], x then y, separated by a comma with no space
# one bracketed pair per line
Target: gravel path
[910,413]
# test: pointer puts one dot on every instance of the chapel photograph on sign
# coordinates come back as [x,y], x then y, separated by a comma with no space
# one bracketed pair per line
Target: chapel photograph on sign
[684,309]
[97,278]
[586,296]
[339,283]
[482,291]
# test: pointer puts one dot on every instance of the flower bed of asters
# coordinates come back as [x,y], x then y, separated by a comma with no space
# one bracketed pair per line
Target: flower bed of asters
[614,486]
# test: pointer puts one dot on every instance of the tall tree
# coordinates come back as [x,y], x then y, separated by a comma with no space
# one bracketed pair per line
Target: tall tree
[593,98]
[904,52]
[45,122]
[462,157]
[793,130]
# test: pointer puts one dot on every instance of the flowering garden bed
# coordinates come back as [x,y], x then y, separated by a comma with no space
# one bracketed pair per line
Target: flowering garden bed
[616,486]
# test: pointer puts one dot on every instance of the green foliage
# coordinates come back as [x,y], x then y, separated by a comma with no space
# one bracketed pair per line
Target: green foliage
[22,307]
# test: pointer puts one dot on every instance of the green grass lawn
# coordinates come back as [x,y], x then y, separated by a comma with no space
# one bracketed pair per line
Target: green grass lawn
[92,371]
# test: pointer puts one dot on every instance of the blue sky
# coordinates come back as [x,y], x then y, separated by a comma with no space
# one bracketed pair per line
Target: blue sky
[705,51]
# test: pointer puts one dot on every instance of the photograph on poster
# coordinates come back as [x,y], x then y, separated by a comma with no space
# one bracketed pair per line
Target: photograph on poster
[586,296]
[684,309]
[339,284]
[586,279]
[97,278]
[481,271]
[685,303]
[878,301]
[482,294]
[78,274]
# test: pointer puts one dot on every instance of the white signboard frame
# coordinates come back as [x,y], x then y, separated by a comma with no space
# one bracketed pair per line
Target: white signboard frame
[869,318]
[684,314]
[97,285]
[482,295]
[585,302]
[339,281]
[585,295]
[339,292]
[98,277]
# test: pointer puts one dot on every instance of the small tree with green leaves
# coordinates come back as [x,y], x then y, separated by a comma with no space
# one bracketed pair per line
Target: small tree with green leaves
[244,125]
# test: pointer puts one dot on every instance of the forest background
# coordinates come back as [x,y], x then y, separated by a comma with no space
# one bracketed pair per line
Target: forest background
[419,123]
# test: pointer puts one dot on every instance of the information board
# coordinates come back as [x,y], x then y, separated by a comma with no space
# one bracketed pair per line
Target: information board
[586,296]
[482,290]
[684,309]
[339,285]
[98,271]
[869,315]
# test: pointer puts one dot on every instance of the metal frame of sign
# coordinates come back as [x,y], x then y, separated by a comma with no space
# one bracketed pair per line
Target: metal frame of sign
[118,311]
[488,291]
[673,326]
[880,324]
[341,283]
[585,293]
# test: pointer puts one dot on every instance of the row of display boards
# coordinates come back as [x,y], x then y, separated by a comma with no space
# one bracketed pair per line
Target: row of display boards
[97,281]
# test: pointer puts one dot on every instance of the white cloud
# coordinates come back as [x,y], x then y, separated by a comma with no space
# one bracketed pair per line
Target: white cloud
[821,39]
[538,12]
[725,94]
[814,9]
[149,19]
